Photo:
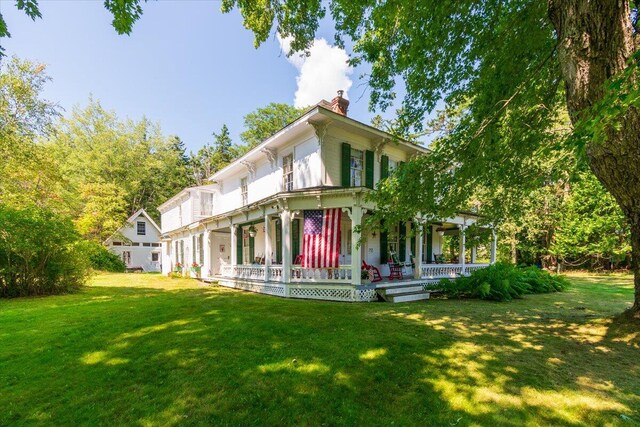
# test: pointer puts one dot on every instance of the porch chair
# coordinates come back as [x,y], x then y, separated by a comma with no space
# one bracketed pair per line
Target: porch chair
[372,269]
[395,269]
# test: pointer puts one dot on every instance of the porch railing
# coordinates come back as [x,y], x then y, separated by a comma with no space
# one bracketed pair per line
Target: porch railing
[439,271]
[342,274]
[273,273]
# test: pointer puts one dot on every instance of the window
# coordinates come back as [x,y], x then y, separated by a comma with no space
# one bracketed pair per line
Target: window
[392,166]
[393,242]
[357,167]
[117,243]
[155,245]
[155,256]
[126,257]
[201,249]
[142,228]
[206,204]
[144,244]
[244,191]
[135,244]
[287,173]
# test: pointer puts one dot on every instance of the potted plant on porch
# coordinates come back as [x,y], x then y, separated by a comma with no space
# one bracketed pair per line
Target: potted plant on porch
[366,275]
[196,268]
[177,268]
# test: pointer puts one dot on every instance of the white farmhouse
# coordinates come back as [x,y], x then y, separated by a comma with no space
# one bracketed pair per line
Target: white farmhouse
[282,218]
[137,243]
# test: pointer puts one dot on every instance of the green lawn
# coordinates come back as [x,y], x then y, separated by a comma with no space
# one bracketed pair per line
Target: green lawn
[147,350]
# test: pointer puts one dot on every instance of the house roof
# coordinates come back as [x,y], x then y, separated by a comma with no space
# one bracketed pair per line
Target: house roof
[318,115]
[133,218]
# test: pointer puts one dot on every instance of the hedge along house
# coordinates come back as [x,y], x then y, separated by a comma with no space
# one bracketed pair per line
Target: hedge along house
[283,218]
[137,243]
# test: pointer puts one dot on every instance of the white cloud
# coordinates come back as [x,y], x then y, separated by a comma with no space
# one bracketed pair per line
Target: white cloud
[321,74]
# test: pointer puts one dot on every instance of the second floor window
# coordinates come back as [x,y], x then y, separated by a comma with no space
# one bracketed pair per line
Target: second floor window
[206,204]
[287,173]
[357,167]
[142,228]
[244,191]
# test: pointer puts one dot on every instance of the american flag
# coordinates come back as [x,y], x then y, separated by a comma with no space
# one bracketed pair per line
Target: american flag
[321,246]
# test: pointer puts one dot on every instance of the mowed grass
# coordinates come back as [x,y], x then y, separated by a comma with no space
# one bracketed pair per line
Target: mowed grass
[147,350]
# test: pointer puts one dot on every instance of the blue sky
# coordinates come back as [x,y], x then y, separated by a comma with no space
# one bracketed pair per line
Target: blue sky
[185,65]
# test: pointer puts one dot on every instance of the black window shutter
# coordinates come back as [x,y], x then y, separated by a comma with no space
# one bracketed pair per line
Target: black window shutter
[239,239]
[368,169]
[295,238]
[252,250]
[402,244]
[278,241]
[346,165]
[384,167]
[429,238]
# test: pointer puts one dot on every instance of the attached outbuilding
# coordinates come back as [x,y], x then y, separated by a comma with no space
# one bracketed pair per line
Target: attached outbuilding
[137,243]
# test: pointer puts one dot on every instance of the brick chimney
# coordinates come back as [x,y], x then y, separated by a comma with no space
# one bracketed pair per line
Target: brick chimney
[339,104]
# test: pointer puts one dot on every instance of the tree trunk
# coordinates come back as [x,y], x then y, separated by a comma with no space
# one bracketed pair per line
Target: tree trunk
[595,41]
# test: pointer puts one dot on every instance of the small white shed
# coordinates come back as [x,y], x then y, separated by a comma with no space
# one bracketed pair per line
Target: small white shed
[137,243]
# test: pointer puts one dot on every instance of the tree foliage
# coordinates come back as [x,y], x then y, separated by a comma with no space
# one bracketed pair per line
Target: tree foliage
[38,253]
[266,121]
[115,167]
[211,158]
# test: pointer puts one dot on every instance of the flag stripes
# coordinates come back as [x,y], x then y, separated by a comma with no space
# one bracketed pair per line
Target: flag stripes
[321,244]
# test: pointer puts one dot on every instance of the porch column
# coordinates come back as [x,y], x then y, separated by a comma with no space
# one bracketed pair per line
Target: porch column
[234,244]
[285,217]
[206,253]
[417,257]
[474,254]
[356,221]
[463,248]
[267,247]
[494,246]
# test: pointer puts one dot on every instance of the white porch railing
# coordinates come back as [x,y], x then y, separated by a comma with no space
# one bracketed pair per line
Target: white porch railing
[437,271]
[470,268]
[273,273]
[342,274]
[255,272]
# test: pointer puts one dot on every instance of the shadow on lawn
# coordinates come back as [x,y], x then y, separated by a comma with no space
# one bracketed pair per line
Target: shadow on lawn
[223,356]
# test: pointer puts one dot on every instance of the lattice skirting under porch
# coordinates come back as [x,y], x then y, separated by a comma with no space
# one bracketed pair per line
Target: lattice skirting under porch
[314,291]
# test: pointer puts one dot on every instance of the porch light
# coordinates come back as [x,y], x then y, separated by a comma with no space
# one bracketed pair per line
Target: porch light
[440,233]
[252,231]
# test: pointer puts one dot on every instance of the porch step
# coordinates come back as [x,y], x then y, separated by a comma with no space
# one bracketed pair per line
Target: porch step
[403,293]
[402,290]
[410,296]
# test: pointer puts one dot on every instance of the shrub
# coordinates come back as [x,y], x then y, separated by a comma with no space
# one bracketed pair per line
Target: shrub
[100,258]
[38,253]
[503,282]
